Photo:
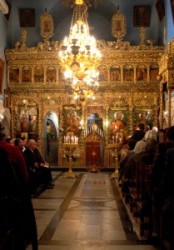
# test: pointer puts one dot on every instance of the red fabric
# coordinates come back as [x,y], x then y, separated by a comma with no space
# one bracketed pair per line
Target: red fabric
[17,160]
[93,152]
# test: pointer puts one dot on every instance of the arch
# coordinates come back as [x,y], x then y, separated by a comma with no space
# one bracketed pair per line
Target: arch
[128,72]
[26,74]
[38,74]
[51,74]
[14,74]
[103,73]
[141,73]
[154,71]
[94,141]
[115,73]
[50,136]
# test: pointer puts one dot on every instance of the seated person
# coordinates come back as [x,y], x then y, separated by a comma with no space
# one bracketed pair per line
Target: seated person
[43,166]
[39,172]
[143,151]
[141,145]
[137,135]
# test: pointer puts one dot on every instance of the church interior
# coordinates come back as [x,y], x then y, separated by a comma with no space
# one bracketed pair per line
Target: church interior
[80,76]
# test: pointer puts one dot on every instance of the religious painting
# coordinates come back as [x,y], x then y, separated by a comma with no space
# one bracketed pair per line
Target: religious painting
[143,116]
[115,73]
[154,70]
[51,131]
[1,74]
[103,73]
[141,73]
[38,74]
[142,15]
[28,119]
[26,74]
[118,120]
[33,119]
[27,17]
[14,75]
[46,25]
[51,74]
[118,25]
[172,8]
[72,122]
[23,120]
[128,73]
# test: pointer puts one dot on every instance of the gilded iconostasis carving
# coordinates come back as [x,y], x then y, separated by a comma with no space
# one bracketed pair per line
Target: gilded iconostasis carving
[129,93]
[26,119]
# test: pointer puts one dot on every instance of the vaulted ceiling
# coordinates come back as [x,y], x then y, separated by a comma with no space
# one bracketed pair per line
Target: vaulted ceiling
[100,14]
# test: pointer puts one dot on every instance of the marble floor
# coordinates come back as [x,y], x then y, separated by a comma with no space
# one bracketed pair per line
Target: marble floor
[84,213]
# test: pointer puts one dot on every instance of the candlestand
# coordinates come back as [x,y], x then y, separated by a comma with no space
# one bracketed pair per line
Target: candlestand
[116,147]
[70,173]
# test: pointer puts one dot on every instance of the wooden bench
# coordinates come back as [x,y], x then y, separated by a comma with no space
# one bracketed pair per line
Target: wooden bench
[136,196]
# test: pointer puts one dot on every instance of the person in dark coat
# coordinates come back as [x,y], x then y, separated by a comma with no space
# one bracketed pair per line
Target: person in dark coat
[39,172]
[32,166]
[16,190]
[16,159]
[137,136]
[167,192]
[44,168]
[158,171]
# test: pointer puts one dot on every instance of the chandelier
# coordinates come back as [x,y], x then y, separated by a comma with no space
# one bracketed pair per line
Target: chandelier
[82,92]
[78,53]
[87,2]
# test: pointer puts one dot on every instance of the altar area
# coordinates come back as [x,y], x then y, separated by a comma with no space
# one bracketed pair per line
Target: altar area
[41,105]
[46,110]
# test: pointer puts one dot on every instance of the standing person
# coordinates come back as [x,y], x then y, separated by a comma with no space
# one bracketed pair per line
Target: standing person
[12,158]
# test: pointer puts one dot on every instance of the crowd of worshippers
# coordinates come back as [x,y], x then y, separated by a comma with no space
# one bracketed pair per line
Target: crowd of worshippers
[39,171]
[144,148]
[17,220]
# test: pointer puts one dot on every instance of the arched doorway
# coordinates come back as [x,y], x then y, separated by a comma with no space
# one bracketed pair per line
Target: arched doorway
[50,136]
[94,141]
[94,150]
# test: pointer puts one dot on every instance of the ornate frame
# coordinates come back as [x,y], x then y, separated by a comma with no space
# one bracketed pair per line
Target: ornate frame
[46,25]
[142,15]
[27,17]
[118,25]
